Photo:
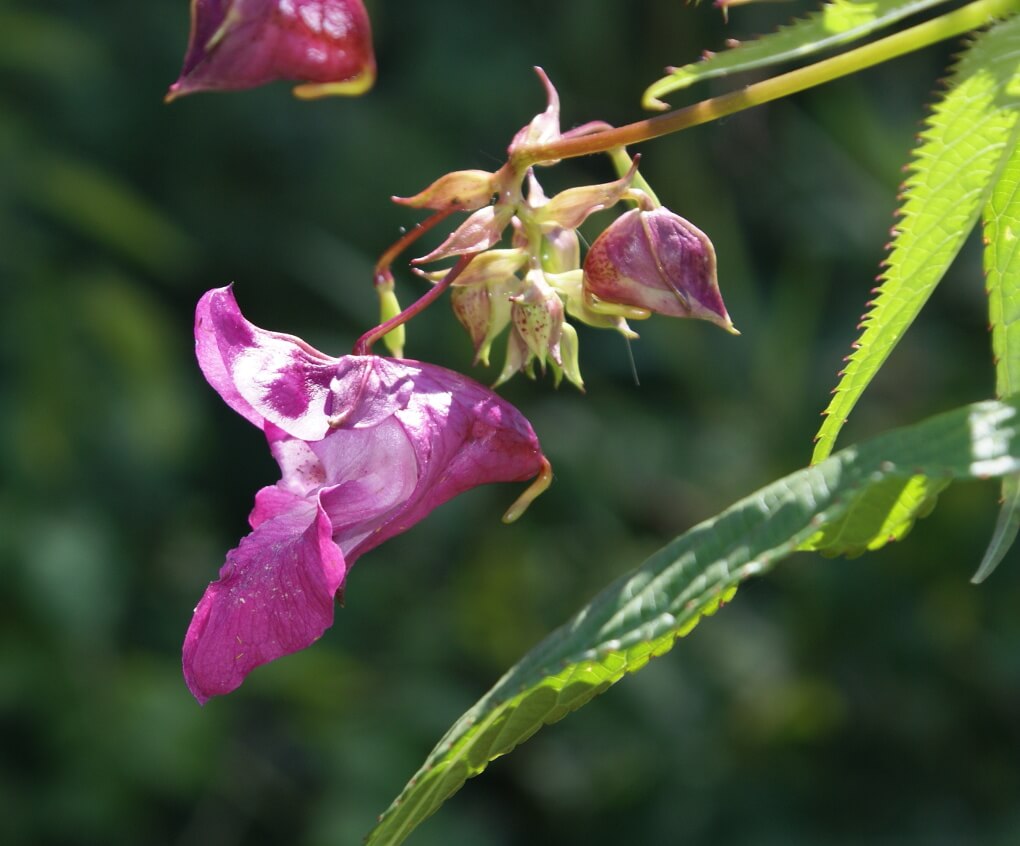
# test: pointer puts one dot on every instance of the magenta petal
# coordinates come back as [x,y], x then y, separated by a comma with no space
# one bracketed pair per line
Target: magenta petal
[274,500]
[373,473]
[275,595]
[367,447]
[463,435]
[262,375]
[237,44]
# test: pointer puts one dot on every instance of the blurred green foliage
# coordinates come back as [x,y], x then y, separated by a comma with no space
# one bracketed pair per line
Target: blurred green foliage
[872,701]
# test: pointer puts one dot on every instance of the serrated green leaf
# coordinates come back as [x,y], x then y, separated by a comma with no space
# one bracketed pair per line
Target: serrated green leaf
[879,514]
[968,137]
[1002,269]
[835,24]
[641,614]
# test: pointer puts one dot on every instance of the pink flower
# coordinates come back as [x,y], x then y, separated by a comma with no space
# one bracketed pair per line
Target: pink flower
[325,44]
[367,447]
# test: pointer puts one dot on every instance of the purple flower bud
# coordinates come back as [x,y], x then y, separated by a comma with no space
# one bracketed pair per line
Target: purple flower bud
[656,260]
[235,44]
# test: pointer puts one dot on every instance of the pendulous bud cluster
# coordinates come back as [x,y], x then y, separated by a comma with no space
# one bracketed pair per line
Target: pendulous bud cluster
[648,260]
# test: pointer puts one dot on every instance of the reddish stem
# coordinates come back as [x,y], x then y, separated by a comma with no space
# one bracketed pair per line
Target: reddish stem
[382,273]
[364,343]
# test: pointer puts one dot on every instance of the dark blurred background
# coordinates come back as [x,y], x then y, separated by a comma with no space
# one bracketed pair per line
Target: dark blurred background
[872,701]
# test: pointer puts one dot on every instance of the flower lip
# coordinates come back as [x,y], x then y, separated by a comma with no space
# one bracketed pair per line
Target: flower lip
[367,447]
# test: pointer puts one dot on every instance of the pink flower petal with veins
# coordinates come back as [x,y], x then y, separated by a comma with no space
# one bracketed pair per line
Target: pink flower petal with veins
[274,596]
[235,44]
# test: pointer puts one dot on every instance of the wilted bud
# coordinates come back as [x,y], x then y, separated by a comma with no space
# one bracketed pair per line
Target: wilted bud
[234,44]
[466,190]
[658,261]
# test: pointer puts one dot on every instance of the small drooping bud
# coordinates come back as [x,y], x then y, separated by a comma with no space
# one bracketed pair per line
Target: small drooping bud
[482,230]
[570,208]
[537,314]
[569,356]
[465,190]
[484,269]
[484,310]
[656,261]
[234,44]
[561,251]
[389,307]
[569,285]
[518,358]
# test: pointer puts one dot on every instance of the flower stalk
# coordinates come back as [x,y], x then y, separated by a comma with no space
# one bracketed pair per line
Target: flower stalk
[363,346]
[963,20]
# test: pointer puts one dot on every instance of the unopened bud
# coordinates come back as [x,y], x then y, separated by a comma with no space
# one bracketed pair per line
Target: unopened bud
[466,190]
[656,260]
[485,268]
[569,356]
[570,208]
[561,251]
[484,310]
[537,314]
[482,230]
[389,308]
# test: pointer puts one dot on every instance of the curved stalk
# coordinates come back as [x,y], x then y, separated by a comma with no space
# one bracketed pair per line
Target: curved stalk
[382,273]
[363,346]
[970,17]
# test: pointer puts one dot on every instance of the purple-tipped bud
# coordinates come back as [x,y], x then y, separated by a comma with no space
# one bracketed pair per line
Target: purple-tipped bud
[466,190]
[482,230]
[658,261]
[235,44]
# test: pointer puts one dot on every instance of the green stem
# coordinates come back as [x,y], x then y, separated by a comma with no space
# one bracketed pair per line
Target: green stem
[970,17]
